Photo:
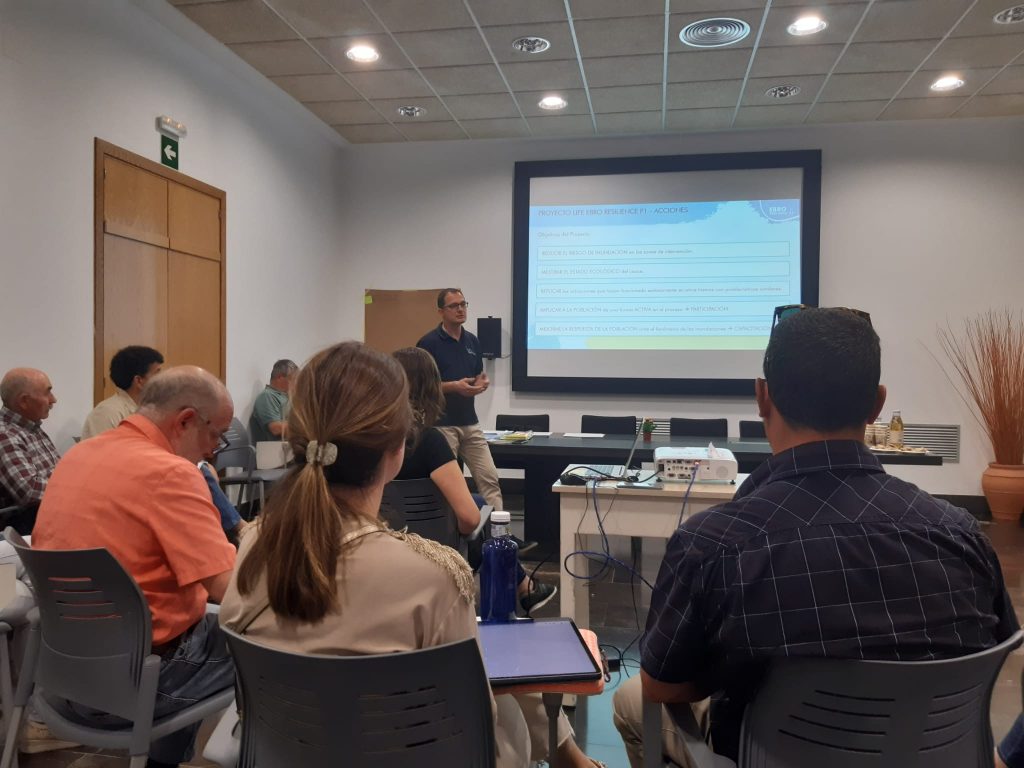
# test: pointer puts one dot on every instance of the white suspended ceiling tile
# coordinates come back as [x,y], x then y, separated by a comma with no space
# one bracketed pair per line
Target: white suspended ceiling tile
[629,122]
[841,19]
[557,33]
[628,98]
[491,13]
[788,60]
[721,7]
[716,93]
[756,87]
[496,129]
[921,109]
[845,111]
[604,9]
[993,106]
[623,70]
[369,134]
[345,112]
[698,119]
[444,47]
[980,22]
[1009,81]
[420,15]
[291,57]
[475,78]
[708,65]
[863,87]
[911,19]
[316,87]
[920,84]
[393,83]
[483,106]
[334,49]
[239,21]
[441,131]
[964,52]
[327,18]
[562,125]
[901,56]
[786,114]
[539,75]
[621,37]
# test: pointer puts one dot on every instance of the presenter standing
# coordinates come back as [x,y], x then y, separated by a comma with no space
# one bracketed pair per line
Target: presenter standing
[457,353]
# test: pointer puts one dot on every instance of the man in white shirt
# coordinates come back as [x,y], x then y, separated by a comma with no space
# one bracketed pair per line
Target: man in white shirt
[130,369]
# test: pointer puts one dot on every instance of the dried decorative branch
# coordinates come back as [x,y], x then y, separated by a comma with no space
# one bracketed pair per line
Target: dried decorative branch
[988,358]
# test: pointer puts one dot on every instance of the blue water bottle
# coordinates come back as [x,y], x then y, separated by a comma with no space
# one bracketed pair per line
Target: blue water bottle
[498,572]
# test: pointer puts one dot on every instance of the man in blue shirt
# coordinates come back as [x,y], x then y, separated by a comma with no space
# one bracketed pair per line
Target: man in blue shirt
[820,553]
[457,354]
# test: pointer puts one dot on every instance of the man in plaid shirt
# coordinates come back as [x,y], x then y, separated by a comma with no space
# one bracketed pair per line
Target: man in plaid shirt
[820,553]
[27,455]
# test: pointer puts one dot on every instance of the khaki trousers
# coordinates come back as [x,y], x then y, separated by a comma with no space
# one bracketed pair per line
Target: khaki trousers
[469,444]
[683,726]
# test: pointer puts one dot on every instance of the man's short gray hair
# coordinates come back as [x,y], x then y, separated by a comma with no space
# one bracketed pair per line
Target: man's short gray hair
[283,368]
[180,387]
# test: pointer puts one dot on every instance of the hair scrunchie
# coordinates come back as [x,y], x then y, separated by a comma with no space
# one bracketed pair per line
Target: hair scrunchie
[323,454]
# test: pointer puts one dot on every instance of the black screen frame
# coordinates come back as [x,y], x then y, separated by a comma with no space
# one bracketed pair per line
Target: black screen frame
[807,161]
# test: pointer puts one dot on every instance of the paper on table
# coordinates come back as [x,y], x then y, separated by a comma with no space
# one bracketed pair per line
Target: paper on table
[584,434]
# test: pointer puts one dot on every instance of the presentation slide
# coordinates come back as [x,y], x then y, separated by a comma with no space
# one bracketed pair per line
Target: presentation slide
[640,275]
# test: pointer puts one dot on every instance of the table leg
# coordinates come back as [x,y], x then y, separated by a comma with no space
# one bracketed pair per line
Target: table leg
[540,507]
[552,706]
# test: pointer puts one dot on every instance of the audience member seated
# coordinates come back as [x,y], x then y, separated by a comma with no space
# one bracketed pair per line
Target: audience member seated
[130,369]
[429,455]
[319,573]
[268,418]
[154,514]
[27,454]
[820,553]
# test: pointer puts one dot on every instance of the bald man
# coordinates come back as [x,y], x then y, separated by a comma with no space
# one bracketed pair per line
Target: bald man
[27,454]
[135,491]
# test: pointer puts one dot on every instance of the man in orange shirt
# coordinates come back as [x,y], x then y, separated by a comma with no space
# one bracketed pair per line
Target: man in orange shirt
[135,491]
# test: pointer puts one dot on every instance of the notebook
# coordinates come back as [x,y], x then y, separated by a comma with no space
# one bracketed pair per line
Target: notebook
[538,651]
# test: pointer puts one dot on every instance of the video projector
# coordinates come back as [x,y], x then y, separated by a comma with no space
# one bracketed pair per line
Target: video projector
[710,464]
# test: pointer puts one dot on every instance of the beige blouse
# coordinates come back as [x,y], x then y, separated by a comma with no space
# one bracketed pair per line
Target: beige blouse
[396,592]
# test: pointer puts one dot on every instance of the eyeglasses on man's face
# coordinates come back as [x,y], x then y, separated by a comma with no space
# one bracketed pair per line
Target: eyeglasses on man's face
[457,305]
[222,440]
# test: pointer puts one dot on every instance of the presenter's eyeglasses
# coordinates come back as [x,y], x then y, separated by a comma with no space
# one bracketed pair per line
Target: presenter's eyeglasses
[457,305]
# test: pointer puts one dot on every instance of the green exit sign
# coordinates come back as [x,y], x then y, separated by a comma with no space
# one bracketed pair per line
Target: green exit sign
[169,152]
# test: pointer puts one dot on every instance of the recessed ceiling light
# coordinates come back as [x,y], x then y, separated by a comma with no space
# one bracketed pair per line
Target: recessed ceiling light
[531,44]
[411,111]
[807,25]
[1014,15]
[363,53]
[552,102]
[947,83]
[782,91]
[714,33]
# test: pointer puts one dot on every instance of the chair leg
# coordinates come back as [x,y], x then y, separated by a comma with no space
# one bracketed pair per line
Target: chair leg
[6,691]
[10,755]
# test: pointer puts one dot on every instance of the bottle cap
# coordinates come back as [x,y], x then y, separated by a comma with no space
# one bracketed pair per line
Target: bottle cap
[502,518]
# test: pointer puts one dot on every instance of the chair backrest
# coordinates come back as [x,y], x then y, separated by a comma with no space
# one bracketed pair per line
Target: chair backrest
[95,624]
[698,427]
[608,425]
[419,505]
[239,451]
[752,428]
[538,422]
[427,707]
[845,713]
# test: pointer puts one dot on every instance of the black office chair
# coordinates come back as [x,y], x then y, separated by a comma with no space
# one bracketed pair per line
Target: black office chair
[427,707]
[752,429]
[420,507]
[609,425]
[517,422]
[698,427]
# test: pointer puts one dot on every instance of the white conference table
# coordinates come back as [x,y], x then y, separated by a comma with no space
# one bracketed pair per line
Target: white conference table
[649,512]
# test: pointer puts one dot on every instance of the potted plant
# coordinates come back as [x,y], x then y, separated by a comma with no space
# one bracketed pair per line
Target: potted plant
[988,360]
[647,427]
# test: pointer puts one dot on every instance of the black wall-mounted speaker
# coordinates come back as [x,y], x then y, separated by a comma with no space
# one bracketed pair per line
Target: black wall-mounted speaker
[488,330]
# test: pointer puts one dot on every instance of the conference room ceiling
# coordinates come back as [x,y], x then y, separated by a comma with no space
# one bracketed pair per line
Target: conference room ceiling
[620,64]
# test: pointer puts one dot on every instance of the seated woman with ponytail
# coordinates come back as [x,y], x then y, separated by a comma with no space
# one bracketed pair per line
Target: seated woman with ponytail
[319,572]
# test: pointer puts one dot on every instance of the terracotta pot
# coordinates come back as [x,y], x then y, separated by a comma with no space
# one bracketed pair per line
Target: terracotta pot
[1003,485]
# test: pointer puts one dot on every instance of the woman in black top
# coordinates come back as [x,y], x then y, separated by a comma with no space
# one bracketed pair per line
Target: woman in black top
[430,456]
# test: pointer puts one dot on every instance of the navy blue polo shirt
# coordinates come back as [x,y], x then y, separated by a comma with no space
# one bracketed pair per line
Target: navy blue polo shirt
[456,359]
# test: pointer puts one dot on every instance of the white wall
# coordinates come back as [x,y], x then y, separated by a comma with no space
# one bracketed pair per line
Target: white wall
[71,70]
[919,224]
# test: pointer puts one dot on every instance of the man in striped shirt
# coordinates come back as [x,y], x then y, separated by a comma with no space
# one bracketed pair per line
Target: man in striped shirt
[27,454]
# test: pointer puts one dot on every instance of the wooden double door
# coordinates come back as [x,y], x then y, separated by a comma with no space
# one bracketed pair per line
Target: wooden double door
[160,267]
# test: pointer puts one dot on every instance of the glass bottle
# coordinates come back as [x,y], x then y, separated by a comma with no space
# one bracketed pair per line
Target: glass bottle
[896,430]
